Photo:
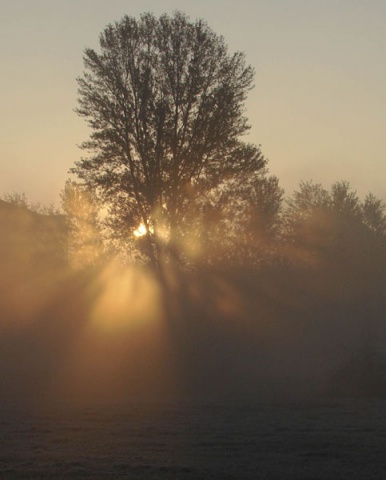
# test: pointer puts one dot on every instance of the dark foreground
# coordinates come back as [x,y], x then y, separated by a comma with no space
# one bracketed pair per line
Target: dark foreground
[330,440]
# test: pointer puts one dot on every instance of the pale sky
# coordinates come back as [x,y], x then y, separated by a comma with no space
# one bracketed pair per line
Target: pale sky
[318,109]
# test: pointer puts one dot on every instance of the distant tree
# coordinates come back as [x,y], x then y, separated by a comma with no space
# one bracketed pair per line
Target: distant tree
[304,201]
[374,215]
[20,200]
[242,224]
[334,223]
[261,218]
[165,101]
[33,234]
[84,227]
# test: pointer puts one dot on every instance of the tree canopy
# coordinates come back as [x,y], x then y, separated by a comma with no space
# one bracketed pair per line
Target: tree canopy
[165,101]
[335,224]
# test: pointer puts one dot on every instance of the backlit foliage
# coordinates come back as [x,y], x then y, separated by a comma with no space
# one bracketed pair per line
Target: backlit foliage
[165,101]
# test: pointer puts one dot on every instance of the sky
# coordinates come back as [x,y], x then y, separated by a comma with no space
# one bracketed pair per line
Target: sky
[317,109]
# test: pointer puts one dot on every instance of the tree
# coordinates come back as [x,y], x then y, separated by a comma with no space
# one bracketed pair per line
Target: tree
[165,101]
[20,200]
[335,224]
[33,235]
[81,209]
[374,216]
[241,225]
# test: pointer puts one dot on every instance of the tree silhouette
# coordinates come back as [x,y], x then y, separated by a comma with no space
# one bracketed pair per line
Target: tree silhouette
[165,100]
[342,238]
[337,217]
[242,225]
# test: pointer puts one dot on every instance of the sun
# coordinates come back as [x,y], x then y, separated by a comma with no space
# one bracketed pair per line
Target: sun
[140,231]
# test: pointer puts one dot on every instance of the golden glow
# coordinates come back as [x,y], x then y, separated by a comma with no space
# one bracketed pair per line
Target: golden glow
[123,347]
[84,245]
[140,231]
[126,297]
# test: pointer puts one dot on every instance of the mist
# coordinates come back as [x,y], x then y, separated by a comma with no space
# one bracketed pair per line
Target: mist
[305,322]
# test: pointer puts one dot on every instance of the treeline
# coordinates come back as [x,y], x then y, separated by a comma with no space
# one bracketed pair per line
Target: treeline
[248,229]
